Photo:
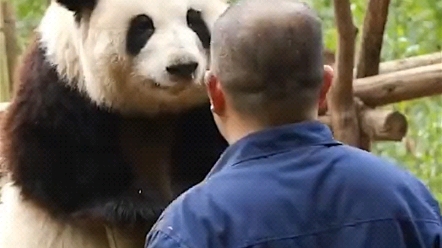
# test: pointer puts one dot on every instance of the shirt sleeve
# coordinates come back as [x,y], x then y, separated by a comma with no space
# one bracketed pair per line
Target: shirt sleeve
[179,226]
[159,239]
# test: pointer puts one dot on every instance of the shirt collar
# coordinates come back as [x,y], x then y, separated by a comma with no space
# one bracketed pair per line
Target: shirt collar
[274,140]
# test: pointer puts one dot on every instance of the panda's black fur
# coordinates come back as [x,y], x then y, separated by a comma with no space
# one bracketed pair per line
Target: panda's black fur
[65,154]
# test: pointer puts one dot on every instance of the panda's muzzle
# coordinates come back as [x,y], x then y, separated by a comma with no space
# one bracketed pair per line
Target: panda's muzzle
[183,70]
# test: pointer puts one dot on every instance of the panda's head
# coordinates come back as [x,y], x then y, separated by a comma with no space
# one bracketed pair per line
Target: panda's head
[137,56]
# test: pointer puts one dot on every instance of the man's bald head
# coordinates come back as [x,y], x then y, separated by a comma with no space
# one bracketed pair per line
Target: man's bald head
[267,54]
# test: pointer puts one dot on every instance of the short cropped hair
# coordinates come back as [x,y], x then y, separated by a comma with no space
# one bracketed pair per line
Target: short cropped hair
[268,56]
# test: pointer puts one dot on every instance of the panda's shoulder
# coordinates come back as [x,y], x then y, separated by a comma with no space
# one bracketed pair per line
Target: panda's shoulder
[44,98]
[51,124]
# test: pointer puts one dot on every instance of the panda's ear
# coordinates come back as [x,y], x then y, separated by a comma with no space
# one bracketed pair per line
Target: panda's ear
[78,5]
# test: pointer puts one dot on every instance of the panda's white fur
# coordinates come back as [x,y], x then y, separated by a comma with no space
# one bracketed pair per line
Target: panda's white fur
[22,225]
[91,57]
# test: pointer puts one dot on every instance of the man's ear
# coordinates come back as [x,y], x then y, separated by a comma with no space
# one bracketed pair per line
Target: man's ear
[328,79]
[215,92]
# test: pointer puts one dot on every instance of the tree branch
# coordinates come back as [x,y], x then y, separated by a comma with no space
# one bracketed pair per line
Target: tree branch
[342,109]
[372,38]
[371,46]
[12,49]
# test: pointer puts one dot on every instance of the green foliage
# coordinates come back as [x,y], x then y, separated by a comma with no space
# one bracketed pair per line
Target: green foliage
[413,28]
[28,13]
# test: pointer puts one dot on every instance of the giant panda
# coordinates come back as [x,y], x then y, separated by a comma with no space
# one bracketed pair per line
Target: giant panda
[109,123]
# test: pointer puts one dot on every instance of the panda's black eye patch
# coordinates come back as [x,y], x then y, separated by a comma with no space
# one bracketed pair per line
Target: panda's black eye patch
[141,28]
[197,24]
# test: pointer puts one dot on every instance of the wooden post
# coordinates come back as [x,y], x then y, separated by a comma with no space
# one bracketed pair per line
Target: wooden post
[371,46]
[12,48]
[340,98]
[4,72]
[372,38]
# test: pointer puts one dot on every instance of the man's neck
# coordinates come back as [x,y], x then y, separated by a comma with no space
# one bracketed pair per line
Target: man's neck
[239,133]
[237,128]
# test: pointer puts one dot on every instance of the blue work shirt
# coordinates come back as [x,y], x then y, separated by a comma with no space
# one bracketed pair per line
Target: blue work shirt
[295,186]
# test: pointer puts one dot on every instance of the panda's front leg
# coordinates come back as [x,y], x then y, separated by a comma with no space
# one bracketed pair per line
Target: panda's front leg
[140,205]
[146,146]
[136,208]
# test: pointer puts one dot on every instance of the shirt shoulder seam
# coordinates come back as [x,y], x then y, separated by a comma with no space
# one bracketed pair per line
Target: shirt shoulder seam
[325,143]
[265,155]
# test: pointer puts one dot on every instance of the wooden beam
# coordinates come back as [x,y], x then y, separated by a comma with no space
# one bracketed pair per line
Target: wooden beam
[3,107]
[12,48]
[399,64]
[372,38]
[411,62]
[4,73]
[329,57]
[390,87]
[340,98]
[394,66]
[400,86]
[379,124]
[385,125]
[371,46]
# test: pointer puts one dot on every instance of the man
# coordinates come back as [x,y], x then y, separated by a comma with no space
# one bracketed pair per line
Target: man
[284,181]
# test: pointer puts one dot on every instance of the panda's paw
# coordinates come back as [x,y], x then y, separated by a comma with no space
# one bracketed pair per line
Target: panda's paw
[126,211]
[130,212]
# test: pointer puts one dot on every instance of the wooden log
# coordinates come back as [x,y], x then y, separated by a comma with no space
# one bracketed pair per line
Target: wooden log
[379,124]
[393,66]
[12,48]
[399,64]
[411,62]
[370,51]
[390,87]
[4,75]
[3,108]
[329,57]
[372,38]
[400,86]
[385,125]
[340,98]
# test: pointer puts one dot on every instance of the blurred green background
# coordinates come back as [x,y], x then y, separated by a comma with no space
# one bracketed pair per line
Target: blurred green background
[413,28]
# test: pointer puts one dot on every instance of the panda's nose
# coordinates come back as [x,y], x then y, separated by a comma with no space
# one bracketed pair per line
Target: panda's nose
[182,70]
